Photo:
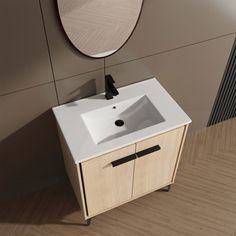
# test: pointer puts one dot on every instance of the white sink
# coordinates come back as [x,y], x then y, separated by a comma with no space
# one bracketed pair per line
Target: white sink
[121,118]
[88,125]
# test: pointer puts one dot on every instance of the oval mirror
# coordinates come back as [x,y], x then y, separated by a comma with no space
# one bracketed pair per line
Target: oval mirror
[98,28]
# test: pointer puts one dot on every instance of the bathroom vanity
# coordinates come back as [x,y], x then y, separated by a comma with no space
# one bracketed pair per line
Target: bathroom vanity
[121,149]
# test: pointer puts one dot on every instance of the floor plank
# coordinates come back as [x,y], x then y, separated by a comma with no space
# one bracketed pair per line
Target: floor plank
[202,202]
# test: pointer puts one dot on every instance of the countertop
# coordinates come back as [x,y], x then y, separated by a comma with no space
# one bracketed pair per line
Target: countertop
[77,136]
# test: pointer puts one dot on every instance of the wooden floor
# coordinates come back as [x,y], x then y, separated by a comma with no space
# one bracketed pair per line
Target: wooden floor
[202,200]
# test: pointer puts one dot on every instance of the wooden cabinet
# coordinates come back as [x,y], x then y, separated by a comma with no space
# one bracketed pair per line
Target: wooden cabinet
[107,186]
[155,169]
[115,178]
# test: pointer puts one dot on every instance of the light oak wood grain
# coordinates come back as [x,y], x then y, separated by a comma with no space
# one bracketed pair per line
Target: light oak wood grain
[156,169]
[107,186]
[180,152]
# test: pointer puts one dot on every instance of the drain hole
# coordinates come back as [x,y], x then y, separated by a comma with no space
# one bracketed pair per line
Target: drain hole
[119,123]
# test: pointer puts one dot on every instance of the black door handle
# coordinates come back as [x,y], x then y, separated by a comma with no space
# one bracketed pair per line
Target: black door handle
[123,160]
[148,151]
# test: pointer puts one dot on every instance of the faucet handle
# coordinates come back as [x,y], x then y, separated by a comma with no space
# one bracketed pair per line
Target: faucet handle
[110,89]
[110,79]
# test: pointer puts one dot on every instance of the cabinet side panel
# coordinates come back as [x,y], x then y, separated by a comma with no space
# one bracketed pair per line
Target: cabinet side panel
[73,172]
[180,152]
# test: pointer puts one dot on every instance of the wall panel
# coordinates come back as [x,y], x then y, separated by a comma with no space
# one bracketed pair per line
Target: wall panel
[24,60]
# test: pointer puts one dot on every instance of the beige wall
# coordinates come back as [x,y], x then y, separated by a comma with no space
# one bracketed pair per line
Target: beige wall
[184,43]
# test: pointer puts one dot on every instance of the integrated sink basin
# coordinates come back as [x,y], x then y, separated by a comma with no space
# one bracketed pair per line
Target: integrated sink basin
[94,126]
[121,118]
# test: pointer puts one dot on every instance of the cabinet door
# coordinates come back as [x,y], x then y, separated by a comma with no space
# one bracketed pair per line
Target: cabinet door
[156,162]
[108,180]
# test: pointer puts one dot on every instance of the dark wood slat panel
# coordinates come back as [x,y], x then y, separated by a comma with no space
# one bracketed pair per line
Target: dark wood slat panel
[225,104]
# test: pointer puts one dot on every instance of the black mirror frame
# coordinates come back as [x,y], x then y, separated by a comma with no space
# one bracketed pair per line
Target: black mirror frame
[91,57]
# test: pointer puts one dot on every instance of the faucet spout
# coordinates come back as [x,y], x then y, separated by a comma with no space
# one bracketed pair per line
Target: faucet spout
[110,89]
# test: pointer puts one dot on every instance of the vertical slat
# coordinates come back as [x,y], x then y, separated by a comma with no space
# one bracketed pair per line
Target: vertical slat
[225,104]
[217,105]
[225,88]
[228,94]
[232,101]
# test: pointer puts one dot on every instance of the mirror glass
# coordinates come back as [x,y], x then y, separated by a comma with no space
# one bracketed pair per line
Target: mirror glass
[98,28]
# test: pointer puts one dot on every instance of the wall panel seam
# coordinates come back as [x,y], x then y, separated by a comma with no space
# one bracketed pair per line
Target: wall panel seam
[173,49]
[49,54]
[25,89]
[84,73]
[144,57]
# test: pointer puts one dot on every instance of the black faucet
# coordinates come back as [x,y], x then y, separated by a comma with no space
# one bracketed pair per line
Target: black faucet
[110,89]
